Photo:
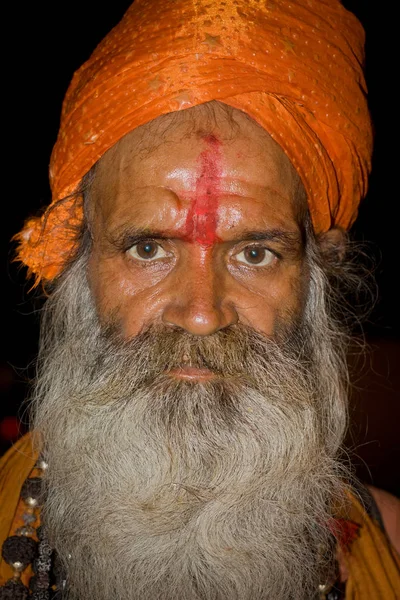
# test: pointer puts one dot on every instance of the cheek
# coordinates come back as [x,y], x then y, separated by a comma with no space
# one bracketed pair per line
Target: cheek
[290,299]
[271,302]
[123,299]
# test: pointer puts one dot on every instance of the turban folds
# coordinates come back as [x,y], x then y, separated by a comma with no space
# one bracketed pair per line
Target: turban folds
[294,66]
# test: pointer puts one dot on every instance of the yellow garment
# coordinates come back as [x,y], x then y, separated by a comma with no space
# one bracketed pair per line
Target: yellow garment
[15,466]
[372,562]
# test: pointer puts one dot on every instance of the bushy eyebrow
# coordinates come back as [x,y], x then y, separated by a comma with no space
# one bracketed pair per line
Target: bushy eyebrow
[275,235]
[123,238]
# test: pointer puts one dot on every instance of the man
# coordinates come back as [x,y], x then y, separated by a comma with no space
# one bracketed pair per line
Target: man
[191,399]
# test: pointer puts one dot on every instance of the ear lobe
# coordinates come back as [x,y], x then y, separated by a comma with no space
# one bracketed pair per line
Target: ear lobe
[332,244]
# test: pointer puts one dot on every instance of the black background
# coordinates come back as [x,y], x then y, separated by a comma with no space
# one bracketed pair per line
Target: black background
[44,43]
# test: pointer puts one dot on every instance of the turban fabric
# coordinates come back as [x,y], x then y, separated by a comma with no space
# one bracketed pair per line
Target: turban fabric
[294,66]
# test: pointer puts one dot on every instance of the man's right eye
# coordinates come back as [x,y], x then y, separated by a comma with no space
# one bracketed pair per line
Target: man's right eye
[147,251]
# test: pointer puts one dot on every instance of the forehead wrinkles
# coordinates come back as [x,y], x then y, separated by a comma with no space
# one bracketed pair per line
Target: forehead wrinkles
[141,143]
[212,118]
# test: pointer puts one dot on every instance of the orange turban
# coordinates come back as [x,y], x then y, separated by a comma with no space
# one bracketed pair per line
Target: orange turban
[295,66]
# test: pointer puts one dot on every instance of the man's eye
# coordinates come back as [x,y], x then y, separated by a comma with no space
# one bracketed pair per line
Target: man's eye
[256,255]
[147,251]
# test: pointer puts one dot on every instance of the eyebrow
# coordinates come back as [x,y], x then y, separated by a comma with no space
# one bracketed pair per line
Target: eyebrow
[124,238]
[275,235]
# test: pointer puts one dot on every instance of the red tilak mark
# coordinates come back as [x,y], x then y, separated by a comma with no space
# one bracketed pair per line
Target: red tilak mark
[201,221]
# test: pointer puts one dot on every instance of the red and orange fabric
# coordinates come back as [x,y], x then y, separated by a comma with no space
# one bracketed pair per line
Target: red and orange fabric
[295,66]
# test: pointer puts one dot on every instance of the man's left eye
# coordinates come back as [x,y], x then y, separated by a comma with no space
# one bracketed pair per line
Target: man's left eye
[258,256]
[147,251]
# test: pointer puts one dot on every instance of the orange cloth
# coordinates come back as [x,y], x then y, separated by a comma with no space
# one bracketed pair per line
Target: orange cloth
[295,66]
[15,466]
[373,564]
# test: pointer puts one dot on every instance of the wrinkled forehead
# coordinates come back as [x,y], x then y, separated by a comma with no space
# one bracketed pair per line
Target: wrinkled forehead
[174,148]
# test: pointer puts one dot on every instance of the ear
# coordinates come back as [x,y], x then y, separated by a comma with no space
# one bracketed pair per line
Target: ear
[333,244]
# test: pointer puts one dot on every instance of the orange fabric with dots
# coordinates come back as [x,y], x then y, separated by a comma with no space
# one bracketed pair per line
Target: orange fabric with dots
[295,66]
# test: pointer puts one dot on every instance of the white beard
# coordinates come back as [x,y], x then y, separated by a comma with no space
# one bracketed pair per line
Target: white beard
[167,490]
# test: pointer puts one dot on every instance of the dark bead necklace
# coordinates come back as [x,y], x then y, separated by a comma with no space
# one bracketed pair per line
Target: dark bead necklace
[23,549]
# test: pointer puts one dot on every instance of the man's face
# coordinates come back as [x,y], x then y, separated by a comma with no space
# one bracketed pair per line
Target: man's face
[196,227]
[178,449]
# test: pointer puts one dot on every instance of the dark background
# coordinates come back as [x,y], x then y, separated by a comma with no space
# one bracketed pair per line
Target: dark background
[43,46]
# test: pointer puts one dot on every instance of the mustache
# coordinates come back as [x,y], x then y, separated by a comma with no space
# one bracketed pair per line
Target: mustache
[238,351]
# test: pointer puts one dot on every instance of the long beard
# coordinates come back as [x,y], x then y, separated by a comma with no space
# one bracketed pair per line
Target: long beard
[169,490]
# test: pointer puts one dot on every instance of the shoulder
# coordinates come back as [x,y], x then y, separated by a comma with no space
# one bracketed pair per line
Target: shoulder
[389,507]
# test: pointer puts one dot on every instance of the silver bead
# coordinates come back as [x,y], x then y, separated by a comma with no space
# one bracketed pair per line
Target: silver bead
[42,464]
[28,518]
[32,502]
[324,590]
[27,530]
[18,566]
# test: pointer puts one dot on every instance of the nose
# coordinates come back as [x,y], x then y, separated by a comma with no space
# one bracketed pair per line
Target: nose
[199,302]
